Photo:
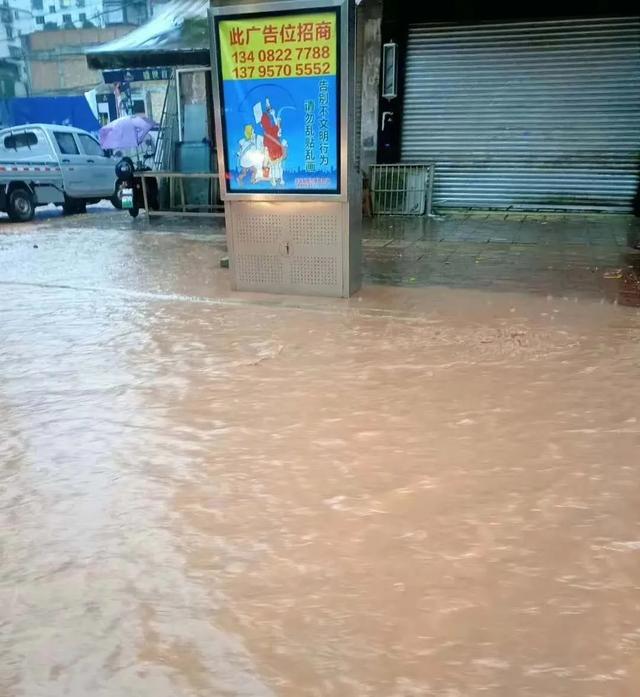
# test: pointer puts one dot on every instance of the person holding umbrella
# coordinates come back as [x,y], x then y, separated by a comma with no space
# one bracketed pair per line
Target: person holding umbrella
[129,132]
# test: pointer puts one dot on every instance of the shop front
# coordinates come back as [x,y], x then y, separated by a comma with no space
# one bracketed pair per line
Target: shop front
[518,114]
[174,46]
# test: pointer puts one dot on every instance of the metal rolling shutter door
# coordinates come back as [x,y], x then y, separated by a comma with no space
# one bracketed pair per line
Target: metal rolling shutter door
[527,115]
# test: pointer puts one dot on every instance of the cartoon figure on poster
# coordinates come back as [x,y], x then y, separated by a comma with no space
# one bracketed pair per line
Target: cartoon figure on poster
[263,155]
[250,155]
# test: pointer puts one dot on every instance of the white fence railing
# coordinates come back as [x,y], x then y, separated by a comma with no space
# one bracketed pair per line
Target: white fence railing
[402,189]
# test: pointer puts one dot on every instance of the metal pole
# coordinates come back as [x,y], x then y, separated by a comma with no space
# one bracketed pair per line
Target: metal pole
[144,194]
[184,205]
[432,175]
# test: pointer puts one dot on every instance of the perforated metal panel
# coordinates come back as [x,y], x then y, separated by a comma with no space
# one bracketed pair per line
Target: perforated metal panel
[289,247]
[258,229]
[314,271]
[526,115]
[260,270]
[313,230]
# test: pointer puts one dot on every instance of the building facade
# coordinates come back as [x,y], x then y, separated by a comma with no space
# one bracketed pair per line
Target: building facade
[15,22]
[43,44]
[57,60]
[58,66]
[68,14]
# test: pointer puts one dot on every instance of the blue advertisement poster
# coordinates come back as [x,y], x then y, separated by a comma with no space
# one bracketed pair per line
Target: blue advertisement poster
[280,102]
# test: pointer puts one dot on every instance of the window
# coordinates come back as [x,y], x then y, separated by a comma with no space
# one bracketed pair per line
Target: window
[9,30]
[37,4]
[52,8]
[81,3]
[66,143]
[66,19]
[18,141]
[15,52]
[83,17]
[90,146]
[40,21]
[139,106]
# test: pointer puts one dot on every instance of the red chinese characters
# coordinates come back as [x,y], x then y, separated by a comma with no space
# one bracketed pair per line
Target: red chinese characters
[305,32]
[288,33]
[242,37]
[323,31]
[237,37]
[270,34]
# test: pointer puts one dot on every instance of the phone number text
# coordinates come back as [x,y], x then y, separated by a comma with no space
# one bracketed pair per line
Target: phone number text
[247,72]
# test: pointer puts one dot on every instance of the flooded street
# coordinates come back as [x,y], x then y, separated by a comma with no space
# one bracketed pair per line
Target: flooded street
[419,492]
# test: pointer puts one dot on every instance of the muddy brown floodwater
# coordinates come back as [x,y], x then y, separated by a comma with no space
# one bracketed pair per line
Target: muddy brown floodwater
[419,492]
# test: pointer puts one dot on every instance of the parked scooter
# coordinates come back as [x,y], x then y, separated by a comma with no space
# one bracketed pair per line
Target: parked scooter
[129,188]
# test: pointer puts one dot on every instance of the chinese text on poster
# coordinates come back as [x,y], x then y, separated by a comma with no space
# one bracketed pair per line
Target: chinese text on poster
[280,102]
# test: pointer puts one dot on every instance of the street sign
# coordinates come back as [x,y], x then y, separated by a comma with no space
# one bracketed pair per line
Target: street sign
[111,77]
[280,101]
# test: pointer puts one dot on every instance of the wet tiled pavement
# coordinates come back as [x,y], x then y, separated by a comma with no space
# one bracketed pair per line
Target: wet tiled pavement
[551,255]
[584,256]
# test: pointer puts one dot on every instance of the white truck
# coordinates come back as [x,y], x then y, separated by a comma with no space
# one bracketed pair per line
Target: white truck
[42,164]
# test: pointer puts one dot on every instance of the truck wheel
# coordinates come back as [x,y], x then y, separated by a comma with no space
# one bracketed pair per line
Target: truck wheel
[21,206]
[134,212]
[116,201]
[73,206]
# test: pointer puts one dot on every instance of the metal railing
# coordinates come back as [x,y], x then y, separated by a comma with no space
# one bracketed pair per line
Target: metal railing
[402,189]
[184,207]
[168,134]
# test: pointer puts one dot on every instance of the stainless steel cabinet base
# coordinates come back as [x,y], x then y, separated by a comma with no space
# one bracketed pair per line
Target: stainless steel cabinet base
[301,247]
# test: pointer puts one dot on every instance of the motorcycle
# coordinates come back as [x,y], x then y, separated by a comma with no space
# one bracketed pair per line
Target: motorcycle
[129,191]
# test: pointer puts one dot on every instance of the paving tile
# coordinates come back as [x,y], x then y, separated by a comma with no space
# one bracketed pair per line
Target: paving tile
[566,255]
[373,242]
[399,244]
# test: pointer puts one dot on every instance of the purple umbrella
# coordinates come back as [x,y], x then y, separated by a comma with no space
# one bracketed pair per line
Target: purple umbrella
[126,132]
